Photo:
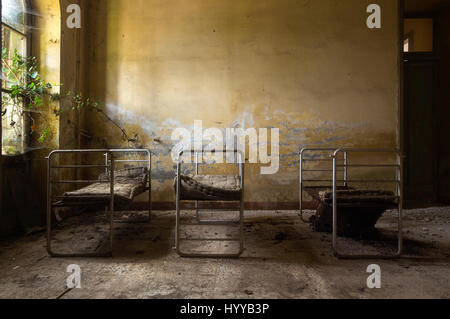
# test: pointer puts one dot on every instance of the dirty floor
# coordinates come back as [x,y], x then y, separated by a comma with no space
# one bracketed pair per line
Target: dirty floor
[283,259]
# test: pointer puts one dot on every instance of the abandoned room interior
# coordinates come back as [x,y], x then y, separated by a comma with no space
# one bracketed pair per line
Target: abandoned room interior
[171,149]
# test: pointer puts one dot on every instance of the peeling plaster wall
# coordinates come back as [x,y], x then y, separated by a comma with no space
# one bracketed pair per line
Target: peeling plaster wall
[311,68]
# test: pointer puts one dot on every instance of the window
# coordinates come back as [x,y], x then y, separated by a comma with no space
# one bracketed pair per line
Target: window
[418,35]
[14,37]
[408,42]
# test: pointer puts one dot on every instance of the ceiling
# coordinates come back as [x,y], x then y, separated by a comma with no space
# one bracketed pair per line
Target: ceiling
[419,6]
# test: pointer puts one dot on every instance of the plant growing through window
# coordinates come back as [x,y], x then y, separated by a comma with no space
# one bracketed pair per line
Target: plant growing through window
[27,93]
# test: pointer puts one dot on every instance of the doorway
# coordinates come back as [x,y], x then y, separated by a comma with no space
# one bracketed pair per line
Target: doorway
[421,108]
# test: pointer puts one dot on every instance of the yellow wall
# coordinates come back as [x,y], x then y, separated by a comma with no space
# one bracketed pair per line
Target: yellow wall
[46,47]
[58,52]
[311,68]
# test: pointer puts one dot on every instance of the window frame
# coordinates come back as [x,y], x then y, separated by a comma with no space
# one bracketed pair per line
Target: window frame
[28,43]
[434,55]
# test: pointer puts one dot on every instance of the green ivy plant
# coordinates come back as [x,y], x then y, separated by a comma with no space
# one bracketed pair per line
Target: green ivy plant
[28,93]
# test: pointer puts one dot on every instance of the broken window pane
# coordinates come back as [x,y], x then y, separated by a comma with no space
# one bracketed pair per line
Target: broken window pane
[13,14]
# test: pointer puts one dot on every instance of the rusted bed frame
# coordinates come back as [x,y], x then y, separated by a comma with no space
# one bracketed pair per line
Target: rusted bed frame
[337,164]
[109,168]
[240,221]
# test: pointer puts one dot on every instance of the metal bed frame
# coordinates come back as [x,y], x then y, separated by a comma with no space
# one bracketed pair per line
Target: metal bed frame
[336,167]
[304,171]
[200,221]
[109,169]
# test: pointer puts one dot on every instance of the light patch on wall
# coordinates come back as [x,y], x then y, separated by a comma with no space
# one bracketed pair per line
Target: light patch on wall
[292,65]
[52,64]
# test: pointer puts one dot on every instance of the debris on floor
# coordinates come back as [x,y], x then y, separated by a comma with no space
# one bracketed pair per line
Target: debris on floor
[299,265]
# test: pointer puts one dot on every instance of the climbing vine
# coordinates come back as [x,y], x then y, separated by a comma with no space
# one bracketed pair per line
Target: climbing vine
[28,93]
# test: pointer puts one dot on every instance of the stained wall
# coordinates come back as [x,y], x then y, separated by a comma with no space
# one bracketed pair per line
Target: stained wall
[310,68]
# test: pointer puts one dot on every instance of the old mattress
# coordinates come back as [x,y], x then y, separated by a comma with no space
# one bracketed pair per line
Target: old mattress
[128,183]
[210,187]
[355,197]
[358,210]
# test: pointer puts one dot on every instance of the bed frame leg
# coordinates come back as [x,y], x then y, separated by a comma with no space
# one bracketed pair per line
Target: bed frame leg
[398,182]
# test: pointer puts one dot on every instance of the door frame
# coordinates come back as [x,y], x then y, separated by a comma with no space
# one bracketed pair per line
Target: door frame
[417,56]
